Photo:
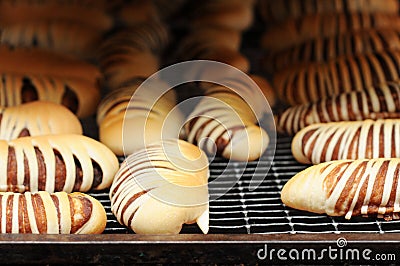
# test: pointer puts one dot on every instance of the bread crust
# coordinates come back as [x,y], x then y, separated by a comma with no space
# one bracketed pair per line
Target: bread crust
[65,162]
[347,188]
[51,213]
[347,140]
[162,187]
[37,118]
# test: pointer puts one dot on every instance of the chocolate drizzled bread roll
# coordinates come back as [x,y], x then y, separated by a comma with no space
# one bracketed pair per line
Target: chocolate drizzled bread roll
[328,48]
[37,118]
[64,162]
[129,118]
[347,140]
[296,31]
[82,12]
[225,124]
[132,53]
[347,188]
[381,101]
[67,37]
[78,95]
[349,73]
[278,11]
[46,213]
[162,187]
[36,61]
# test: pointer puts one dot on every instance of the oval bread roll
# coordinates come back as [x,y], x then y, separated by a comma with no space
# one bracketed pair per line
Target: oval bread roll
[37,61]
[225,124]
[37,118]
[65,162]
[347,140]
[78,95]
[381,101]
[278,11]
[51,213]
[129,119]
[326,49]
[162,187]
[349,73]
[347,188]
[293,32]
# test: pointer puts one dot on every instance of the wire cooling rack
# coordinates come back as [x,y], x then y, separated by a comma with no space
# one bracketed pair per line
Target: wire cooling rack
[243,210]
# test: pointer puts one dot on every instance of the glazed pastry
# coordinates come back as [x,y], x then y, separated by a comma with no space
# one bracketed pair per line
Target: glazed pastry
[225,124]
[78,95]
[278,11]
[137,12]
[64,162]
[376,102]
[326,49]
[46,213]
[65,37]
[128,124]
[347,140]
[162,187]
[132,53]
[350,73]
[296,31]
[37,118]
[347,188]
[38,61]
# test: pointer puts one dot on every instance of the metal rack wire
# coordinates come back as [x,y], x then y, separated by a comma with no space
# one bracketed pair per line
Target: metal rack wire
[242,210]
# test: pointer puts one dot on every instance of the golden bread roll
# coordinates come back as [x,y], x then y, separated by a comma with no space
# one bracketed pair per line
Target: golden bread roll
[293,32]
[347,188]
[162,187]
[27,12]
[381,101]
[67,37]
[51,213]
[225,124]
[278,11]
[65,162]
[328,48]
[128,124]
[37,118]
[42,62]
[347,140]
[234,14]
[78,95]
[304,84]
[132,53]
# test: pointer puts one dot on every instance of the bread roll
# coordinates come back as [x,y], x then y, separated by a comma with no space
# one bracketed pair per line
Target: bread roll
[162,187]
[296,31]
[225,124]
[38,61]
[347,188]
[278,11]
[45,213]
[347,140]
[234,14]
[27,12]
[381,101]
[132,53]
[37,118]
[129,119]
[78,95]
[328,48]
[349,73]
[67,37]
[65,162]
